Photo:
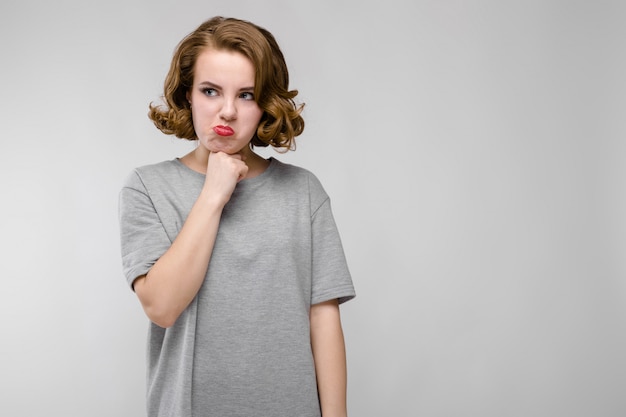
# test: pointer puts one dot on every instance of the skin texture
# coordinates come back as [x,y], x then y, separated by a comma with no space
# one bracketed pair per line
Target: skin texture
[329,353]
[222,95]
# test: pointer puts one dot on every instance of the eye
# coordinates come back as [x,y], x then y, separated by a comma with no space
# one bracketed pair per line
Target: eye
[208,91]
[247,95]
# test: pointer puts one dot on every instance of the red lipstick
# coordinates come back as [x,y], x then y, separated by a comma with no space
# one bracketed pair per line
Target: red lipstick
[223,130]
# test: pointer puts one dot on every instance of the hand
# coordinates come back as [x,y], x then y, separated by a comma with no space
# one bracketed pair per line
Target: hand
[223,173]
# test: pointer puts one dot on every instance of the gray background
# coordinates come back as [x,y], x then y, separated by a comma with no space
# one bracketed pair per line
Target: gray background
[474,151]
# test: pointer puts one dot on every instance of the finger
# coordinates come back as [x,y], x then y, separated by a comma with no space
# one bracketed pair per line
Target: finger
[242,155]
[238,156]
[242,172]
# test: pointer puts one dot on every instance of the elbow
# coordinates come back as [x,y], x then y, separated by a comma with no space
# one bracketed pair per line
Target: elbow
[165,324]
[160,316]
[161,311]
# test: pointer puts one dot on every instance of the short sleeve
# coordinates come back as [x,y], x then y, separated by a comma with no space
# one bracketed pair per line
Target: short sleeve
[143,237]
[331,277]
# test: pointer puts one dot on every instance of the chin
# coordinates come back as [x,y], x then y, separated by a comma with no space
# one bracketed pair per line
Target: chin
[212,147]
[227,146]
[229,151]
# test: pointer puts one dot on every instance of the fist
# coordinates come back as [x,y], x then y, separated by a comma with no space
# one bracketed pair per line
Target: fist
[223,173]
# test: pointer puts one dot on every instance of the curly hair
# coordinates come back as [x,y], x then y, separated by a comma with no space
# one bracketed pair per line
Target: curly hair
[281,121]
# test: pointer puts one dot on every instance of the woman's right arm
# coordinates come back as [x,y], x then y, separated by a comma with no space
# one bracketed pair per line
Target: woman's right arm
[174,280]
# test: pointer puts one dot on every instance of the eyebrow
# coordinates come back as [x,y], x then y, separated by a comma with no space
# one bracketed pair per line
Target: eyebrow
[210,84]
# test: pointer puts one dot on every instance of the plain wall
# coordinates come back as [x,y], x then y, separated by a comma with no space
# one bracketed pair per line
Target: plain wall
[474,152]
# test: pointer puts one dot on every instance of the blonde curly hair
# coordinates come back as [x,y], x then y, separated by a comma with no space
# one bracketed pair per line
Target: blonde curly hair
[281,121]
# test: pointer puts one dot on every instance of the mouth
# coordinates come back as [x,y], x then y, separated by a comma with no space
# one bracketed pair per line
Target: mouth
[223,130]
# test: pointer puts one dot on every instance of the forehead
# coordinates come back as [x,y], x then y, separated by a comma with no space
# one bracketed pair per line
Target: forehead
[224,66]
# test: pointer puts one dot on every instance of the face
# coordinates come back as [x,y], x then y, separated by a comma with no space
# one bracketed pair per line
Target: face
[224,111]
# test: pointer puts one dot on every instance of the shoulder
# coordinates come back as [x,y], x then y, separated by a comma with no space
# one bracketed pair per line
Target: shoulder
[164,168]
[294,173]
[142,177]
[299,179]
[286,170]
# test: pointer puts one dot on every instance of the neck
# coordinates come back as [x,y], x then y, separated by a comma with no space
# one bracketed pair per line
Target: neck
[256,164]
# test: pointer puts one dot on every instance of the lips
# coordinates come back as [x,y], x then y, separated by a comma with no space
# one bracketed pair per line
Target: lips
[223,130]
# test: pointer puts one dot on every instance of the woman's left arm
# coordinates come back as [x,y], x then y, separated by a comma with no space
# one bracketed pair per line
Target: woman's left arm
[329,353]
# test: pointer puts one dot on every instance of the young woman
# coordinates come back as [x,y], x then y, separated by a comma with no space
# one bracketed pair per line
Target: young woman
[235,259]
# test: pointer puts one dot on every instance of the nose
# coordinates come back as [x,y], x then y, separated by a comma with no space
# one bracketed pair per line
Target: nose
[228,110]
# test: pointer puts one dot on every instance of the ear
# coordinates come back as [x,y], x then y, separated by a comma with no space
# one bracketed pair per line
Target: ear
[188,96]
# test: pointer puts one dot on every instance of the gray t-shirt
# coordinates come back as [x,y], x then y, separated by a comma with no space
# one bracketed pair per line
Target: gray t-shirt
[242,347]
